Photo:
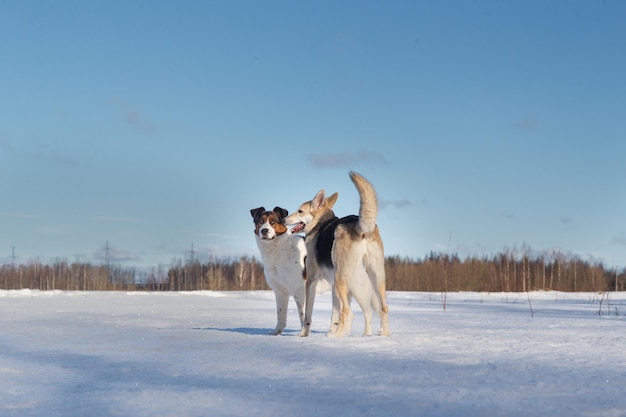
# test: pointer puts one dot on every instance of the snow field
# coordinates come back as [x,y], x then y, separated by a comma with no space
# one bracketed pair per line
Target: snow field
[208,354]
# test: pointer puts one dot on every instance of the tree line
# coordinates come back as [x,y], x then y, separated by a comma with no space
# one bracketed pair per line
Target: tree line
[503,272]
[509,271]
[219,274]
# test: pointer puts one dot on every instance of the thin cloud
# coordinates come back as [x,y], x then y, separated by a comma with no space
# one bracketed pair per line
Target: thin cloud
[6,146]
[397,203]
[204,252]
[199,252]
[132,116]
[120,219]
[528,124]
[114,254]
[18,215]
[63,159]
[220,235]
[60,229]
[42,153]
[567,220]
[619,240]
[347,159]
[344,42]
[508,216]
[208,234]
[472,249]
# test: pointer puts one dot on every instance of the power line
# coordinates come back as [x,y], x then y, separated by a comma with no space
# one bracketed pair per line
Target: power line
[107,260]
[192,254]
[107,257]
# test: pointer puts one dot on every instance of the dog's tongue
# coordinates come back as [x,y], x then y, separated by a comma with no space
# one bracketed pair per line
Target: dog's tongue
[297,228]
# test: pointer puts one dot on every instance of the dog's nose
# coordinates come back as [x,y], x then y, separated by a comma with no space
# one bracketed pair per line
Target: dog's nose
[264,231]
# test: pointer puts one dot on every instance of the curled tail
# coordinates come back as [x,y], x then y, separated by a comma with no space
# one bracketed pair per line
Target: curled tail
[369,203]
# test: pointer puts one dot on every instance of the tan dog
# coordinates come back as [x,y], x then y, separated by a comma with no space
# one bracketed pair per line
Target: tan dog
[283,262]
[347,252]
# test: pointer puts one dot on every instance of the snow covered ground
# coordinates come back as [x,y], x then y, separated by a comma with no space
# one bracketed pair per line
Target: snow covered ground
[208,354]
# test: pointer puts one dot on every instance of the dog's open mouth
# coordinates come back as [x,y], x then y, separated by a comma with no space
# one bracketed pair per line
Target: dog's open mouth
[298,228]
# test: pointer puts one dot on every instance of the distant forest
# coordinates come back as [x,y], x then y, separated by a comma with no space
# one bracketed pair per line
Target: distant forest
[510,271]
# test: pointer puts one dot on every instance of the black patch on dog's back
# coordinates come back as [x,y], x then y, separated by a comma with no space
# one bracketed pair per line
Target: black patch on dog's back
[326,237]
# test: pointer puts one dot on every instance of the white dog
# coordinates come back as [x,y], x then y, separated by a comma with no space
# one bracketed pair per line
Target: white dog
[283,257]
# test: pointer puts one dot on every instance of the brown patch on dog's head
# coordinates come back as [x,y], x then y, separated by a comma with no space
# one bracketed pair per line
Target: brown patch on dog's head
[263,220]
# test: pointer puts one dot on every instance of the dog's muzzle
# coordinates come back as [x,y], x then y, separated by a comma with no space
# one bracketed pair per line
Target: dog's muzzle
[297,228]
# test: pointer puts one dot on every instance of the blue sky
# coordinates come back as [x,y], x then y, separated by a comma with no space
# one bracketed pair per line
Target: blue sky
[154,125]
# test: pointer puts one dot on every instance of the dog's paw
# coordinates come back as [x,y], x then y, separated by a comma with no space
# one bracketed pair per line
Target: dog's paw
[383,332]
[337,333]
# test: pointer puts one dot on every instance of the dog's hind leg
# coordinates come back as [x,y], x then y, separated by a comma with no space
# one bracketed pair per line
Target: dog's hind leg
[282,301]
[376,270]
[367,314]
[341,302]
[366,307]
[335,314]
[379,302]
[336,320]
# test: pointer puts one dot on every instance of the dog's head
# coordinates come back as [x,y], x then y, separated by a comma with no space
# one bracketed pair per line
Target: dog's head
[309,212]
[269,224]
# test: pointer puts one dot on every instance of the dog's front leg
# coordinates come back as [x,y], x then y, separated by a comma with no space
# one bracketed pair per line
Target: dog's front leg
[282,301]
[311,287]
[300,299]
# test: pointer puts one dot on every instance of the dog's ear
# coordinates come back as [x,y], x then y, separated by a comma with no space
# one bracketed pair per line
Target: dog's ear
[281,212]
[318,200]
[330,201]
[257,212]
